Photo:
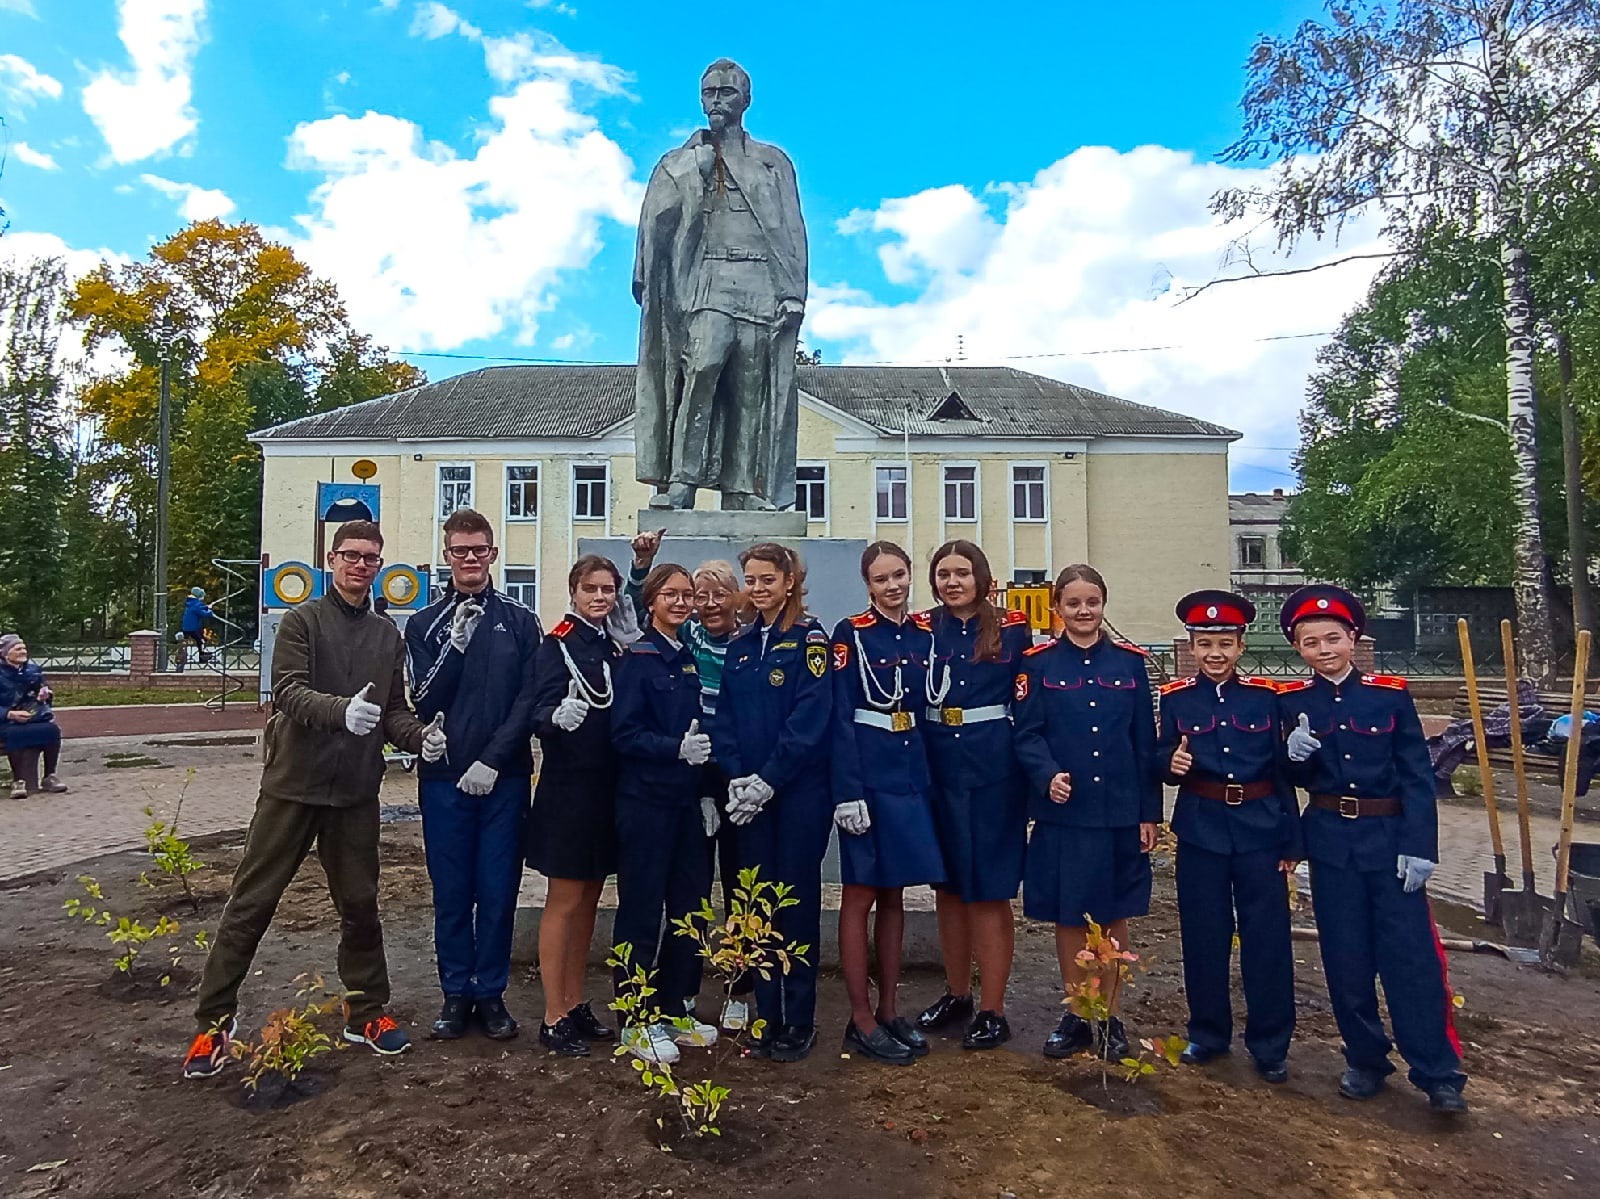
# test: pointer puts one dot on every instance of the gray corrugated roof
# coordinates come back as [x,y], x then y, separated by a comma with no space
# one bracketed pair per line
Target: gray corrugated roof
[584,401]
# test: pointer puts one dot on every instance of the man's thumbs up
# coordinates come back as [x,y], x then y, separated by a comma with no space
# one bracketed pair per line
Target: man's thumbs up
[1301,743]
[1182,759]
[695,747]
[361,715]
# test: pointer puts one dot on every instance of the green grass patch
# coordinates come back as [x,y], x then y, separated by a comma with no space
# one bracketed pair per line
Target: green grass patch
[84,697]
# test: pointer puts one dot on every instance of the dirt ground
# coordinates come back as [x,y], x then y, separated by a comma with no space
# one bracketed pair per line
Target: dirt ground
[91,1102]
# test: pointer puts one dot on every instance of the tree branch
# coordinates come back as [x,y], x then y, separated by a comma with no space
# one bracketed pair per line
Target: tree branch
[1191,292]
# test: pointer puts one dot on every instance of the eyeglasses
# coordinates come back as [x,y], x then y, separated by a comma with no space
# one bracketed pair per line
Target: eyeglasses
[718,596]
[462,552]
[676,597]
[351,557]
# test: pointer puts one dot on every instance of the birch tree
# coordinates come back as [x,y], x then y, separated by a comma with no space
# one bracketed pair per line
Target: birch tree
[1433,112]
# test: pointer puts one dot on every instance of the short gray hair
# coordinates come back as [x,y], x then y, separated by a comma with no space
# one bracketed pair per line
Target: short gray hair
[739,73]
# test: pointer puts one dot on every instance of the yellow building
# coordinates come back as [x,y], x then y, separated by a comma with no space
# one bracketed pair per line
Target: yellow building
[1040,473]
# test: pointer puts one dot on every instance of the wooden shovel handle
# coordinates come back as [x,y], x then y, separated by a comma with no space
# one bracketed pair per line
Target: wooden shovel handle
[1569,778]
[1519,766]
[1482,746]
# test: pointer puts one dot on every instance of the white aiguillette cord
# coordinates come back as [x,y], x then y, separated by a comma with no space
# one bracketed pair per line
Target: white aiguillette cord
[935,698]
[592,697]
[869,681]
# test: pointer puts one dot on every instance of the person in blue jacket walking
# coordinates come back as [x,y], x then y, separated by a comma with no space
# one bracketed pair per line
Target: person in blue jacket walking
[472,656]
[1086,737]
[1372,837]
[1238,827]
[769,735]
[192,627]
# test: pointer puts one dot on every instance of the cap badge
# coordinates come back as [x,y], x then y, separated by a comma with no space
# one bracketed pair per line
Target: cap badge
[1322,603]
[1212,611]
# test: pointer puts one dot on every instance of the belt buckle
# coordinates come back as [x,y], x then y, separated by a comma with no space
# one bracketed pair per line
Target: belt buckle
[900,722]
[1233,794]
[1353,811]
[736,253]
[952,717]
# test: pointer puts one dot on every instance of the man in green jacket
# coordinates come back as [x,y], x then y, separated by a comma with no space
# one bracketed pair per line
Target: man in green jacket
[338,692]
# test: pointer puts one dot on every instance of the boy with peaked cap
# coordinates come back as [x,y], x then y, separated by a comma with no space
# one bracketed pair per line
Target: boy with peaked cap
[1238,829]
[1372,835]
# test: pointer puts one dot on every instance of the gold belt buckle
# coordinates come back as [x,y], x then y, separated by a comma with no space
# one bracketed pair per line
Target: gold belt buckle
[951,717]
[900,722]
[1353,811]
[1233,794]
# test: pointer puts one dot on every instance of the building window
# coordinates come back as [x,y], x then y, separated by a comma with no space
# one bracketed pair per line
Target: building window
[1029,578]
[589,491]
[455,489]
[811,491]
[522,585]
[522,492]
[961,493]
[1438,625]
[1027,492]
[441,584]
[891,492]
[1252,552]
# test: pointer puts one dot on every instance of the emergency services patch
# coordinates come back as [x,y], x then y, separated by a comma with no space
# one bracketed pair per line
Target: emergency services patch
[841,655]
[817,660]
[1021,688]
[776,677]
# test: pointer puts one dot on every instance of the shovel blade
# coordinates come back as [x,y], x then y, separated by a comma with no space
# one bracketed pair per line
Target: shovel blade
[1494,885]
[1523,914]
[1560,941]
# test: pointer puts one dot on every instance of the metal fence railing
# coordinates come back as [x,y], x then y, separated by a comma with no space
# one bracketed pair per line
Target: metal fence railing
[114,658]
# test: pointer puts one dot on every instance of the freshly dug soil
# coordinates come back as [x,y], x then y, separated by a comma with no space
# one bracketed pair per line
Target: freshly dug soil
[89,1079]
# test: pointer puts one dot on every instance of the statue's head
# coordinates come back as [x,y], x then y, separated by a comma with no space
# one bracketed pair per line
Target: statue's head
[724,93]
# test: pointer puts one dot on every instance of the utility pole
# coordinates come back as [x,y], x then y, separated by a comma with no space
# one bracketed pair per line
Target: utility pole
[163,486]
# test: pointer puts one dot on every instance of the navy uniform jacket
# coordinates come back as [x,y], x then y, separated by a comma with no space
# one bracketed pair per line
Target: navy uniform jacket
[1372,748]
[658,695]
[971,755]
[866,758]
[490,719]
[1233,737]
[1088,712]
[582,761]
[772,713]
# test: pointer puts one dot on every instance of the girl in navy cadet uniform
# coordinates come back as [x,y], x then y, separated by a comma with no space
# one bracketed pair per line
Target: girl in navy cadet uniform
[769,735]
[1238,829]
[663,873]
[1086,737]
[572,835]
[980,798]
[1372,836]
[887,840]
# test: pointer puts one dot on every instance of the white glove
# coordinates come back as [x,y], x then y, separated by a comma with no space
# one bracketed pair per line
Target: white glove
[434,742]
[709,816]
[757,791]
[1301,743]
[464,622]
[746,797]
[852,816]
[361,715]
[1414,873]
[695,748]
[478,780]
[570,711]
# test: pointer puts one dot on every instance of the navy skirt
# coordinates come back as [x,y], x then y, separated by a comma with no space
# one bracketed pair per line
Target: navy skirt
[1076,872]
[901,849]
[983,832]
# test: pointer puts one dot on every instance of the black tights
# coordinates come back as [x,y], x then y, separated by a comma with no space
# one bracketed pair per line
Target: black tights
[22,761]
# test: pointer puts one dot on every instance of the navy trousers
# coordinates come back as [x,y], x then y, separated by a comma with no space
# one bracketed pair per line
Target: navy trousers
[1212,887]
[474,850]
[1370,929]
[786,842]
[663,874]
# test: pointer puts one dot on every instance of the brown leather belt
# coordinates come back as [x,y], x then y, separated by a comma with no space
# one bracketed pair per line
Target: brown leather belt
[1231,794]
[1350,807]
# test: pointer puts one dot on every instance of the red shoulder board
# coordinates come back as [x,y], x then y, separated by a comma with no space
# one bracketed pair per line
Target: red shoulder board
[1289,685]
[1038,649]
[562,629]
[1250,680]
[923,620]
[1179,684]
[1013,617]
[865,620]
[1393,681]
[1131,647]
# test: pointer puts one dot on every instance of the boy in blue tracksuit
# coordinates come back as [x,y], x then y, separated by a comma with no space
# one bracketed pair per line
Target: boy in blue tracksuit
[192,628]
[472,665]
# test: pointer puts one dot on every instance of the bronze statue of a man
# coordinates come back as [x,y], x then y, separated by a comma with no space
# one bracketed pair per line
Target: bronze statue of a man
[720,278]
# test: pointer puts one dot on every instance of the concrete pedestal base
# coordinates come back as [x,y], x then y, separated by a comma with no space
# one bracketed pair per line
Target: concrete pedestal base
[744,526]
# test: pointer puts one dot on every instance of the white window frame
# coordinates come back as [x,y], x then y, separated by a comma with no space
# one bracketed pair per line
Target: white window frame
[439,515]
[531,597]
[1043,483]
[877,518]
[538,489]
[573,483]
[827,489]
[975,484]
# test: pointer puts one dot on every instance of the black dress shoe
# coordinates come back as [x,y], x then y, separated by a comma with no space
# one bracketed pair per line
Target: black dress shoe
[1357,1083]
[880,1044]
[1199,1055]
[988,1030]
[497,1022]
[1273,1072]
[1072,1035]
[452,1022]
[793,1043]
[947,1011]
[905,1032]
[1448,1099]
[564,1038]
[1114,1040]
[588,1024]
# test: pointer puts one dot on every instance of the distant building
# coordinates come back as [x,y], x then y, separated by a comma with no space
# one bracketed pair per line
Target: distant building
[1257,564]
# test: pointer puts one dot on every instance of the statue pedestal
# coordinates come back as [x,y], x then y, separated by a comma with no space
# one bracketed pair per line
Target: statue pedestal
[748,527]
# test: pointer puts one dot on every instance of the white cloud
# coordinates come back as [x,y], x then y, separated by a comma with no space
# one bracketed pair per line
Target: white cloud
[431,248]
[565,10]
[21,246]
[194,203]
[1091,255]
[147,111]
[23,83]
[25,7]
[28,156]
[434,20]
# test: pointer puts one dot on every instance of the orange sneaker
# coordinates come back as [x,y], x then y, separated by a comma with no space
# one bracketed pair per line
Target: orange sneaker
[382,1034]
[211,1050]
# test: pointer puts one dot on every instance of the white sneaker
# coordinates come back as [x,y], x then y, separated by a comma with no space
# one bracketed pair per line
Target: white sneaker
[696,1034]
[735,1015]
[652,1043]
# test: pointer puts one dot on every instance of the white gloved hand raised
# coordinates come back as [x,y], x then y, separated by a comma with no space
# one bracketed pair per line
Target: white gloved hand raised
[463,622]
[478,780]
[434,742]
[852,816]
[570,711]
[1414,873]
[695,748]
[361,715]
[1301,743]
[709,816]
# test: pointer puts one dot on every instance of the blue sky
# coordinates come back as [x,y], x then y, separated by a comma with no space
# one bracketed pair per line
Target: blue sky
[1017,179]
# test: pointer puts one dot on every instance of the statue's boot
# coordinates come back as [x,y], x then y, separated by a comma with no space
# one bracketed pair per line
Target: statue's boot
[744,501]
